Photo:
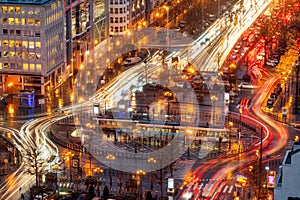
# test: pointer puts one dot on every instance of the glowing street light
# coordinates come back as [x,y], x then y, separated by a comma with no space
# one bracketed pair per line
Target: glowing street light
[56,167]
[110,158]
[151,160]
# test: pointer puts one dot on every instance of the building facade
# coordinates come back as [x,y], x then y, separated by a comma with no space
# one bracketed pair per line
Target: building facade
[31,45]
[287,183]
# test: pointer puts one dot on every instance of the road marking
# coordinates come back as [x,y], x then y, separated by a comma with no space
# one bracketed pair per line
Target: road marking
[201,185]
[230,190]
[225,189]
[211,185]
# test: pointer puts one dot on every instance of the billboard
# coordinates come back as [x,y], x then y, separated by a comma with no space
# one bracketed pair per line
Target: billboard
[271,178]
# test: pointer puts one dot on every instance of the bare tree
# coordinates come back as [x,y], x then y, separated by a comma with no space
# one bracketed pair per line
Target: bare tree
[34,162]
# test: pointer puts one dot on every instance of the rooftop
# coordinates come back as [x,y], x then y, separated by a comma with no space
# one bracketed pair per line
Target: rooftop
[27,2]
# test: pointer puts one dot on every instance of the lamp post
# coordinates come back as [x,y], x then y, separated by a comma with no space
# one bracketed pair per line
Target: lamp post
[110,158]
[168,95]
[214,99]
[56,167]
[151,160]
[98,170]
[10,87]
[229,135]
[168,36]
[240,130]
[187,133]
[139,173]
[68,157]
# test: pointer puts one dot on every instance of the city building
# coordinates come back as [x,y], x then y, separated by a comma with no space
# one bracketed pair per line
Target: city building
[86,26]
[287,183]
[131,14]
[31,45]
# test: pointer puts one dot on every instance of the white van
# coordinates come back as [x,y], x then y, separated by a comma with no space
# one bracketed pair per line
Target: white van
[132,60]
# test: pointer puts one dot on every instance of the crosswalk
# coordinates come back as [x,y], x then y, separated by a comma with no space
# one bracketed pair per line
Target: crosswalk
[207,187]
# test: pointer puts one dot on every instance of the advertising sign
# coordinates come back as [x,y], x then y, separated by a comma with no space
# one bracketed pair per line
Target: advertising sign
[271,179]
[170,183]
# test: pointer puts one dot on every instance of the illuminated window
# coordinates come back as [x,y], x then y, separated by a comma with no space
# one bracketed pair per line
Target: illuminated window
[19,54]
[11,43]
[25,66]
[5,54]
[31,55]
[31,45]
[24,55]
[38,44]
[12,54]
[5,31]
[30,21]
[17,21]
[32,67]
[24,44]
[30,11]
[23,10]
[38,56]
[4,9]
[37,22]
[11,9]
[18,43]
[23,21]
[5,20]
[11,20]
[37,11]
[0,65]
[38,67]
[18,9]
[5,43]
[5,65]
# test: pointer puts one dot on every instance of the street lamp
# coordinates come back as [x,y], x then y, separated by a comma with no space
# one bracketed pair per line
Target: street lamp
[139,173]
[214,99]
[56,167]
[10,86]
[110,158]
[98,171]
[229,136]
[240,129]
[151,160]
[68,157]
[188,132]
[168,95]
[168,37]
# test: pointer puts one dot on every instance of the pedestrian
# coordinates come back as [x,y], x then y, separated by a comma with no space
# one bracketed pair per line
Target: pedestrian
[22,196]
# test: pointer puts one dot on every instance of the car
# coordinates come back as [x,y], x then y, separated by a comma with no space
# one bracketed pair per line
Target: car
[272,63]
[245,85]
[132,60]
[234,56]
[177,29]
[182,24]
[270,103]
[236,50]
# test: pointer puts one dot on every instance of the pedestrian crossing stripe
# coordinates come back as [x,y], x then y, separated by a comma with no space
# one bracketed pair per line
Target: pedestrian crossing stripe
[207,188]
